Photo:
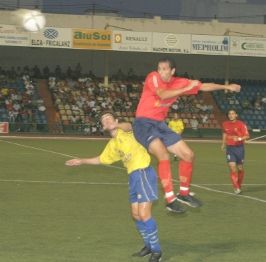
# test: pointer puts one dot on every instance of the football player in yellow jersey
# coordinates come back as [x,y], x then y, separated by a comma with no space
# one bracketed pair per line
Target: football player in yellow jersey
[177,125]
[142,179]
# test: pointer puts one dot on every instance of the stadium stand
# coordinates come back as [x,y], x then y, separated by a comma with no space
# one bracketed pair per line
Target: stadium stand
[79,102]
[76,101]
[249,103]
[20,103]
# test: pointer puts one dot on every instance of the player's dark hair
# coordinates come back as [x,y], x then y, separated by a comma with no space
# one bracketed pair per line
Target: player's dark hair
[168,60]
[107,113]
[229,110]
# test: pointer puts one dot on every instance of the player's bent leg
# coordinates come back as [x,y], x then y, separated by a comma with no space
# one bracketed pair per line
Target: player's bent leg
[158,149]
[182,150]
[185,169]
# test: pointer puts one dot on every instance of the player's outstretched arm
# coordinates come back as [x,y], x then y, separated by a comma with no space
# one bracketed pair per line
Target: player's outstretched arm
[212,87]
[81,161]
[165,94]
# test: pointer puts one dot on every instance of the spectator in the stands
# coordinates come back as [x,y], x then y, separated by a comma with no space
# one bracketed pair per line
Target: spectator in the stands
[204,118]
[58,72]
[175,106]
[245,103]
[119,75]
[37,72]
[257,102]
[12,116]
[91,75]
[69,72]
[46,72]
[78,70]
[41,108]
[263,100]
[194,123]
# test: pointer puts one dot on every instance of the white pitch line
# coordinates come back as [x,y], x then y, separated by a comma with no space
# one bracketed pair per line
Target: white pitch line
[229,193]
[37,148]
[208,184]
[54,137]
[50,151]
[112,166]
[60,182]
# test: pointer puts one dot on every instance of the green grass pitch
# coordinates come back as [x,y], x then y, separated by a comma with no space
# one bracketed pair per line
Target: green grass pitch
[53,213]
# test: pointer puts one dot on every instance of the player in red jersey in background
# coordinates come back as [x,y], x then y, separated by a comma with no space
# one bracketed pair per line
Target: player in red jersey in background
[235,133]
[161,90]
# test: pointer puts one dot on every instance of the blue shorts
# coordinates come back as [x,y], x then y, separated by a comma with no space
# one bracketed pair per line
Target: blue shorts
[146,130]
[235,154]
[143,186]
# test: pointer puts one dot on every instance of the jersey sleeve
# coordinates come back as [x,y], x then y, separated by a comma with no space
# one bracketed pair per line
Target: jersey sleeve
[244,130]
[109,154]
[183,82]
[152,81]
[194,90]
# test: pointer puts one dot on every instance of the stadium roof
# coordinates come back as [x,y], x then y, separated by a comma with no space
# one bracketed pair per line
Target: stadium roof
[174,9]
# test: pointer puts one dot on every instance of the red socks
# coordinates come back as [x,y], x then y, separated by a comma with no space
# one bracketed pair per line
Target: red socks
[185,175]
[234,179]
[164,171]
[240,177]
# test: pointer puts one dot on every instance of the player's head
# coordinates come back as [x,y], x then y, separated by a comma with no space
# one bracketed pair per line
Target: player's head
[108,120]
[232,114]
[166,68]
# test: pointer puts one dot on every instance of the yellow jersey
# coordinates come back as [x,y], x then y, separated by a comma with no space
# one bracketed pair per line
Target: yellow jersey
[176,125]
[125,147]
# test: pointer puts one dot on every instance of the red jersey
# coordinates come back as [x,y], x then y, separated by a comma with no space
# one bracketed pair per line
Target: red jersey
[236,128]
[151,105]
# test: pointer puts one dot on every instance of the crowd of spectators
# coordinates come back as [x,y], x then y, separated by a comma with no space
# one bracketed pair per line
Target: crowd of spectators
[79,102]
[195,112]
[20,104]
[79,99]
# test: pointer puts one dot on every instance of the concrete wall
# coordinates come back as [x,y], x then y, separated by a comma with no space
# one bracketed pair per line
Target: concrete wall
[196,65]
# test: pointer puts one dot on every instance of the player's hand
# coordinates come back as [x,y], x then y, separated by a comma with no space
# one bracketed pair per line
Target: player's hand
[234,87]
[73,162]
[236,138]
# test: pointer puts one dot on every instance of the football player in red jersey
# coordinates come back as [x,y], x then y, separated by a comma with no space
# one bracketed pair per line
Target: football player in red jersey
[235,133]
[161,89]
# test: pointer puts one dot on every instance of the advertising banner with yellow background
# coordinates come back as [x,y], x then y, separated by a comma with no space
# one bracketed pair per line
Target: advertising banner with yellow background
[92,39]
